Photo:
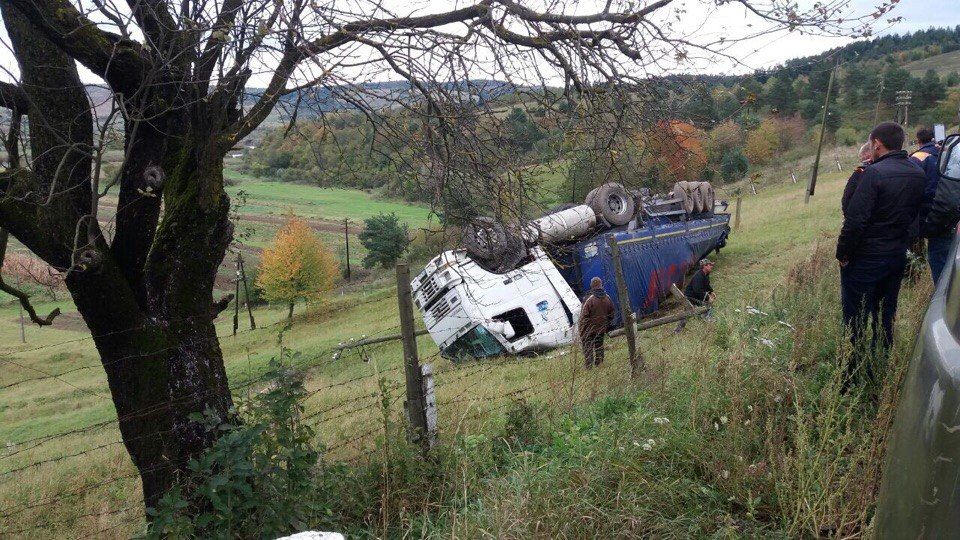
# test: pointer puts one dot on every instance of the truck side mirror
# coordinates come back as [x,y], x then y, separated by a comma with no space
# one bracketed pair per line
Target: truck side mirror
[950,158]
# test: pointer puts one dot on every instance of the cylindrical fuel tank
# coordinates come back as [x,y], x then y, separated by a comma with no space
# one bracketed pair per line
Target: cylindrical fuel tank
[563,225]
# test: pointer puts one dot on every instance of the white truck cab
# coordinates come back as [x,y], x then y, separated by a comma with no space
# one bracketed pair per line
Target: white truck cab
[473,313]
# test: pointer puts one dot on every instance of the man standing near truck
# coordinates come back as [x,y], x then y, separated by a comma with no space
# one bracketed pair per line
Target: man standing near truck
[596,315]
[872,247]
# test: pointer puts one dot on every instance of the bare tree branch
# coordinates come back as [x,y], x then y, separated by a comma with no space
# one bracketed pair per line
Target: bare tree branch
[21,296]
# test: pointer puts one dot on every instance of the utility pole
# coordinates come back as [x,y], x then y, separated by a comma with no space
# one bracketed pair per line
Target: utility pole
[346,238]
[246,292]
[236,297]
[626,314]
[823,130]
[904,100]
[418,430]
[876,112]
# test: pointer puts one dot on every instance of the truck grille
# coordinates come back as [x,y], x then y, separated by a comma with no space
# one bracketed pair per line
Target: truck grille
[440,309]
[428,289]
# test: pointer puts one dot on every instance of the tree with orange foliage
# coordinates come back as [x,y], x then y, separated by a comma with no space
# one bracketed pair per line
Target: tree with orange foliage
[678,148]
[296,266]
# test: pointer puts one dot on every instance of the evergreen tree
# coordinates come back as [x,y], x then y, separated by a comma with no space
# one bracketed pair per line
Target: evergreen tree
[521,131]
[896,79]
[385,239]
[750,94]
[931,90]
[782,98]
[701,108]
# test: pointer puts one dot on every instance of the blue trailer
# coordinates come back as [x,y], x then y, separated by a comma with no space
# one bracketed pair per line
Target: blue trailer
[653,256]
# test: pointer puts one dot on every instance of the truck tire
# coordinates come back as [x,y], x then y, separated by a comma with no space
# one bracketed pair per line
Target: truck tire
[612,203]
[707,196]
[688,201]
[485,238]
[496,247]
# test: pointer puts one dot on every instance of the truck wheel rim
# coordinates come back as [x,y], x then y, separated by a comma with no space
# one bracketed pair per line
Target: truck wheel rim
[616,203]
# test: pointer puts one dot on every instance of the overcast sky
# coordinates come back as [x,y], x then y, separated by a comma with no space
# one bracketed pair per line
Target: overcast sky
[917,15]
[707,23]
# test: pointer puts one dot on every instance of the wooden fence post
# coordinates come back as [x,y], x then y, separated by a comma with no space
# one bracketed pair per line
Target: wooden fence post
[736,218]
[346,239]
[236,297]
[246,293]
[626,315]
[418,431]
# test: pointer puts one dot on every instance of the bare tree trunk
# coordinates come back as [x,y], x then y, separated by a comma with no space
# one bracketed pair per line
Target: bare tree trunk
[290,311]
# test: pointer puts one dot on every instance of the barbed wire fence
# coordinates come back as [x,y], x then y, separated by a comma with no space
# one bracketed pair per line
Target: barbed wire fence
[348,386]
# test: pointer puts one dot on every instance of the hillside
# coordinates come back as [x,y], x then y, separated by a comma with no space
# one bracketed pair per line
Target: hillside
[943,64]
[62,443]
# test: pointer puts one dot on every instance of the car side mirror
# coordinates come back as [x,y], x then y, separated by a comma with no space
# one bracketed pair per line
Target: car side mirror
[950,158]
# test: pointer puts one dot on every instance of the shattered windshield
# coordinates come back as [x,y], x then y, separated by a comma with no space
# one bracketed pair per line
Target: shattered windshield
[477,343]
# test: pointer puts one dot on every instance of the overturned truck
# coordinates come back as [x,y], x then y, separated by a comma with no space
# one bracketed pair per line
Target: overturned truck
[517,289]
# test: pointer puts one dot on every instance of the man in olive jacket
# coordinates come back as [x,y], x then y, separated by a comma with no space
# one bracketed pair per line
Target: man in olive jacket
[596,315]
[873,242]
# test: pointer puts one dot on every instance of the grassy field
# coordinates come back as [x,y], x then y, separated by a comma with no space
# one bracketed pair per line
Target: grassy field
[943,64]
[96,491]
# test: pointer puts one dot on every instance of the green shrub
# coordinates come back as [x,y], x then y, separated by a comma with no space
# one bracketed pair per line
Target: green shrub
[256,480]
[848,136]
[734,165]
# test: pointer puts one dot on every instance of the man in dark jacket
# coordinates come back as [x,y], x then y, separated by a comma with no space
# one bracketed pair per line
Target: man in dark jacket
[699,290]
[928,157]
[873,242]
[596,315]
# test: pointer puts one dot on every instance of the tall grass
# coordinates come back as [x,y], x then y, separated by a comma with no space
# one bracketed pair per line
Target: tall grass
[748,433]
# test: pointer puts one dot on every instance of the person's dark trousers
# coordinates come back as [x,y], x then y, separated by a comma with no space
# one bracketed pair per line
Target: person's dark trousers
[938,249]
[869,287]
[592,350]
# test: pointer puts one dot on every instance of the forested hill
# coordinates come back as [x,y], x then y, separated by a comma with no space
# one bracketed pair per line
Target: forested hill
[719,128]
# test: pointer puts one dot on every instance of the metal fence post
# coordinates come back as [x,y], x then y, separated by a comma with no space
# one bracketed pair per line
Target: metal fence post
[418,431]
[626,315]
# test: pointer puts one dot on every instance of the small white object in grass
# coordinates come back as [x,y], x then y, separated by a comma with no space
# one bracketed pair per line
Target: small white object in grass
[723,419]
[754,311]
[647,446]
[726,474]
[785,323]
[314,535]
[651,442]
[737,311]
[660,420]
[765,341]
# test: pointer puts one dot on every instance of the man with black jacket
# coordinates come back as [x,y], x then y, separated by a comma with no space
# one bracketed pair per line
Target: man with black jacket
[875,235]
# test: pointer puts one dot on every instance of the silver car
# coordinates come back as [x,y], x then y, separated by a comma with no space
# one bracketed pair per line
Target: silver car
[920,495]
